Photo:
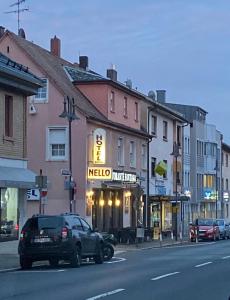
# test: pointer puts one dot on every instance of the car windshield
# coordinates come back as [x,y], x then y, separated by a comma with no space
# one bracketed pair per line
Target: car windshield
[220,222]
[205,222]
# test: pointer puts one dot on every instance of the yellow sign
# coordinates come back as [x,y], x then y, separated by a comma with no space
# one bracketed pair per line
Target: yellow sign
[99,173]
[99,142]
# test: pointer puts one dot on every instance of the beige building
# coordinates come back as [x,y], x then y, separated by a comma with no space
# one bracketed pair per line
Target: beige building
[16,83]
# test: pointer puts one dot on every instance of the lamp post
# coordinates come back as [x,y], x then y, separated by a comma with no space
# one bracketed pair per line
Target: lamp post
[216,186]
[176,154]
[69,114]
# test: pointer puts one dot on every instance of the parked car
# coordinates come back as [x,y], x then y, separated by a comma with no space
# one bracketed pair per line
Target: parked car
[61,237]
[204,229]
[224,228]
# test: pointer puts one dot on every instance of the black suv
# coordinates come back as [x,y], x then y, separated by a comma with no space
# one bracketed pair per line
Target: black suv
[60,237]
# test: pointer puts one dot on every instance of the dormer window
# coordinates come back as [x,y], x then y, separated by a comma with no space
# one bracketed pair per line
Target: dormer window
[42,94]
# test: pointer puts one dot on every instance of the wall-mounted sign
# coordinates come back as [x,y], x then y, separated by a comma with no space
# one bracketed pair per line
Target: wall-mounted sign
[99,144]
[226,196]
[33,194]
[99,173]
[124,176]
[210,194]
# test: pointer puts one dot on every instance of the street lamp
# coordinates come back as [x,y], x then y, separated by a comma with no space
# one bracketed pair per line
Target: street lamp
[69,114]
[176,154]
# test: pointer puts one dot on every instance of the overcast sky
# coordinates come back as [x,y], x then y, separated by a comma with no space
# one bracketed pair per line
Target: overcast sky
[181,46]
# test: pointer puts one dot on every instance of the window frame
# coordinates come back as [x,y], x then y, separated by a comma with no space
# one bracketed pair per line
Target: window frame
[112,102]
[125,107]
[153,125]
[165,130]
[49,156]
[132,154]
[9,116]
[120,149]
[42,99]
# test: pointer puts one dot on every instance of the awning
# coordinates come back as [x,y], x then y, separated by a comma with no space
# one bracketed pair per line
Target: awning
[17,178]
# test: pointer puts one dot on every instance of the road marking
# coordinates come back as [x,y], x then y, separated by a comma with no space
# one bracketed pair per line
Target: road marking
[226,257]
[106,294]
[41,271]
[166,275]
[115,261]
[204,264]
[8,270]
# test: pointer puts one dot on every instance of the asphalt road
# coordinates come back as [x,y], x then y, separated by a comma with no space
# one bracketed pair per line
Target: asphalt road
[177,273]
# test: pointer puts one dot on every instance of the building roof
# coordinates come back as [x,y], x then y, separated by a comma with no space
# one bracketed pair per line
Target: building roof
[79,75]
[53,67]
[18,77]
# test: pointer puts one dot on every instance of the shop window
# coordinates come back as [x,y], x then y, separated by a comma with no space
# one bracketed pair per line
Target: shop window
[9,213]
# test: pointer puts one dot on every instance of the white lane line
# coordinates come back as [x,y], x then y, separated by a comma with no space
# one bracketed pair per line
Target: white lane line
[106,294]
[226,257]
[165,275]
[204,264]
[115,261]
[40,271]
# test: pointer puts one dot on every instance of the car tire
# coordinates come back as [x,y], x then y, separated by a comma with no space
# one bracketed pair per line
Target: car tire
[108,251]
[75,260]
[53,262]
[25,262]
[99,258]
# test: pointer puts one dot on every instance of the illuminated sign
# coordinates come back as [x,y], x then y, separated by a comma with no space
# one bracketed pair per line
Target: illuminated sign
[99,141]
[99,173]
[124,176]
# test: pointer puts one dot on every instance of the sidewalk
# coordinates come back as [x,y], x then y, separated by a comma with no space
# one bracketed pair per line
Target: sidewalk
[9,257]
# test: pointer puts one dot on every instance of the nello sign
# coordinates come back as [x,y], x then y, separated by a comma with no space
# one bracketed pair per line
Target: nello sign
[99,173]
[99,143]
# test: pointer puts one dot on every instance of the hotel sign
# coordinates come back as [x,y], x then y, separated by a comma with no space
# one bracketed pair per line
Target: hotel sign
[124,176]
[99,143]
[99,173]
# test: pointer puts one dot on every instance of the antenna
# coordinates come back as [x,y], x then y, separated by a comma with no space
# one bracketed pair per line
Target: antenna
[18,11]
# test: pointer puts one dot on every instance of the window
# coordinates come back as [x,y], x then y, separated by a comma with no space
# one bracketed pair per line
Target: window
[120,152]
[179,135]
[227,184]
[8,116]
[153,165]
[57,143]
[85,225]
[165,130]
[125,107]
[226,160]
[154,125]
[43,91]
[112,102]
[144,157]
[132,154]
[136,112]
[165,174]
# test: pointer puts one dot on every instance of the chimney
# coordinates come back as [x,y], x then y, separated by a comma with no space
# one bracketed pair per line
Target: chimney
[83,62]
[2,30]
[55,46]
[161,95]
[128,83]
[112,73]
[21,33]
[152,95]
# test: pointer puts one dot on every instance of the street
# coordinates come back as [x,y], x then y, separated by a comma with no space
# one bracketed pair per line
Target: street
[193,271]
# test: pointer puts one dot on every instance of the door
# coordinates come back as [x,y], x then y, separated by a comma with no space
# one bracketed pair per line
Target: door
[90,237]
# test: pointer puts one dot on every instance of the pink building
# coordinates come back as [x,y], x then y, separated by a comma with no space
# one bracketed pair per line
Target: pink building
[108,146]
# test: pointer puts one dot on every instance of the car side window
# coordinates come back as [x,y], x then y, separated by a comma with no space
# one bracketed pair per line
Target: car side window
[77,224]
[85,225]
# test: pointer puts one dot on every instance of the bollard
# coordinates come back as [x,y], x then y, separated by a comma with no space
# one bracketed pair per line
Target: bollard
[172,237]
[160,239]
[196,236]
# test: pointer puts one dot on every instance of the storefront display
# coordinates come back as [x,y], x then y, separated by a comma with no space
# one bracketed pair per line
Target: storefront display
[8,213]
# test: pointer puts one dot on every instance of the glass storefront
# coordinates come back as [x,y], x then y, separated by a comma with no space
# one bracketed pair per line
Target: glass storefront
[8,213]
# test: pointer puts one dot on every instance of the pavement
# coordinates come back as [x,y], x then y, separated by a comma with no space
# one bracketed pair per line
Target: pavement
[9,258]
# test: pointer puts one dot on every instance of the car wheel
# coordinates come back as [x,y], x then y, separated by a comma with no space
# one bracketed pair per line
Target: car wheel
[75,260]
[99,258]
[108,252]
[53,262]
[25,262]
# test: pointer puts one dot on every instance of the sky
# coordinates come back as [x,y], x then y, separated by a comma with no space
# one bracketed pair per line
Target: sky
[181,46]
